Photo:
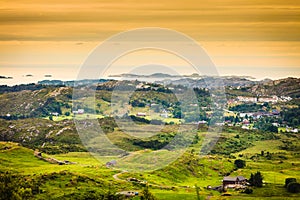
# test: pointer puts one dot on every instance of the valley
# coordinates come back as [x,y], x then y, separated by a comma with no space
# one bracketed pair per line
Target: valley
[58,142]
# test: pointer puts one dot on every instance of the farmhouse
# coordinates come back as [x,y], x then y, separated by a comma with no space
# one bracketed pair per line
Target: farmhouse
[232,182]
[272,99]
[111,163]
[79,111]
[202,122]
[247,99]
[164,115]
[55,114]
[249,114]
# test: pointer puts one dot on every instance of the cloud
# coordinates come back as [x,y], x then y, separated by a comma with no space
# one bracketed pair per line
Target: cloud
[203,20]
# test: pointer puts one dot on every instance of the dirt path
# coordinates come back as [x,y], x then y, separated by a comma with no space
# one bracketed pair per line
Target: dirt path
[115,176]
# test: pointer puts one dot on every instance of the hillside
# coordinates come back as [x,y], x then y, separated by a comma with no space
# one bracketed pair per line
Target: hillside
[27,103]
[42,180]
[41,101]
[147,142]
[48,136]
[281,87]
[87,176]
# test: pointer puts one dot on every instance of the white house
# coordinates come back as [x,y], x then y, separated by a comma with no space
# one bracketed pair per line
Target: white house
[247,99]
[80,111]
[141,114]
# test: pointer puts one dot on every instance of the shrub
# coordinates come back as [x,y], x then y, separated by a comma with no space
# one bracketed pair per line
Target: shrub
[256,179]
[240,163]
[147,195]
[248,191]
[15,187]
[293,187]
[289,180]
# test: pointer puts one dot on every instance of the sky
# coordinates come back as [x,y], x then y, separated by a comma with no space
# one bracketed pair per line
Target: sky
[243,37]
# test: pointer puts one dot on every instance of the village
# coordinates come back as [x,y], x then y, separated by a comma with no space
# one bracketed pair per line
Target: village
[239,113]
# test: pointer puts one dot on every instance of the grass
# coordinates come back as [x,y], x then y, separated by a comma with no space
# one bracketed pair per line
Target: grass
[175,181]
[78,117]
[272,191]
[147,160]
[19,159]
[187,194]
[22,160]
[271,146]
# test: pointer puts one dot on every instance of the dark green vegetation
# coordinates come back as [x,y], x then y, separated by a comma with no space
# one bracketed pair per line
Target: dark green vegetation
[18,88]
[250,107]
[292,185]
[292,116]
[240,163]
[237,140]
[256,179]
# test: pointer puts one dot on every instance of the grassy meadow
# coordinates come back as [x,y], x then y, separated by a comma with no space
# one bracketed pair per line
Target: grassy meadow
[177,180]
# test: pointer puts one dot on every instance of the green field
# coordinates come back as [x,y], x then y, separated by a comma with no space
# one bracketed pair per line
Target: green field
[271,146]
[175,181]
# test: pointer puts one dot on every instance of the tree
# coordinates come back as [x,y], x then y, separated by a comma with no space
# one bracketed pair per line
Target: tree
[240,163]
[98,105]
[293,187]
[248,191]
[67,113]
[295,122]
[289,180]
[256,179]
[198,192]
[147,195]
[236,119]
[177,113]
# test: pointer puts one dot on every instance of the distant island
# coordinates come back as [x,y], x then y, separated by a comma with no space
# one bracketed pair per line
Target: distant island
[28,75]
[6,77]
[163,75]
[155,75]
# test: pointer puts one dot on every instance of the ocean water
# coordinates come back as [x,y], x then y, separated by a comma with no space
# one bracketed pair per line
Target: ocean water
[33,75]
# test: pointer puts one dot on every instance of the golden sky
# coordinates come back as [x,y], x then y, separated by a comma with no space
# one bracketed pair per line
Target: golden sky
[239,35]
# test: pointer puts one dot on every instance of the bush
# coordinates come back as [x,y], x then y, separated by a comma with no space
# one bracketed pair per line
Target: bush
[293,187]
[256,179]
[15,187]
[240,163]
[139,119]
[147,195]
[289,180]
[248,191]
